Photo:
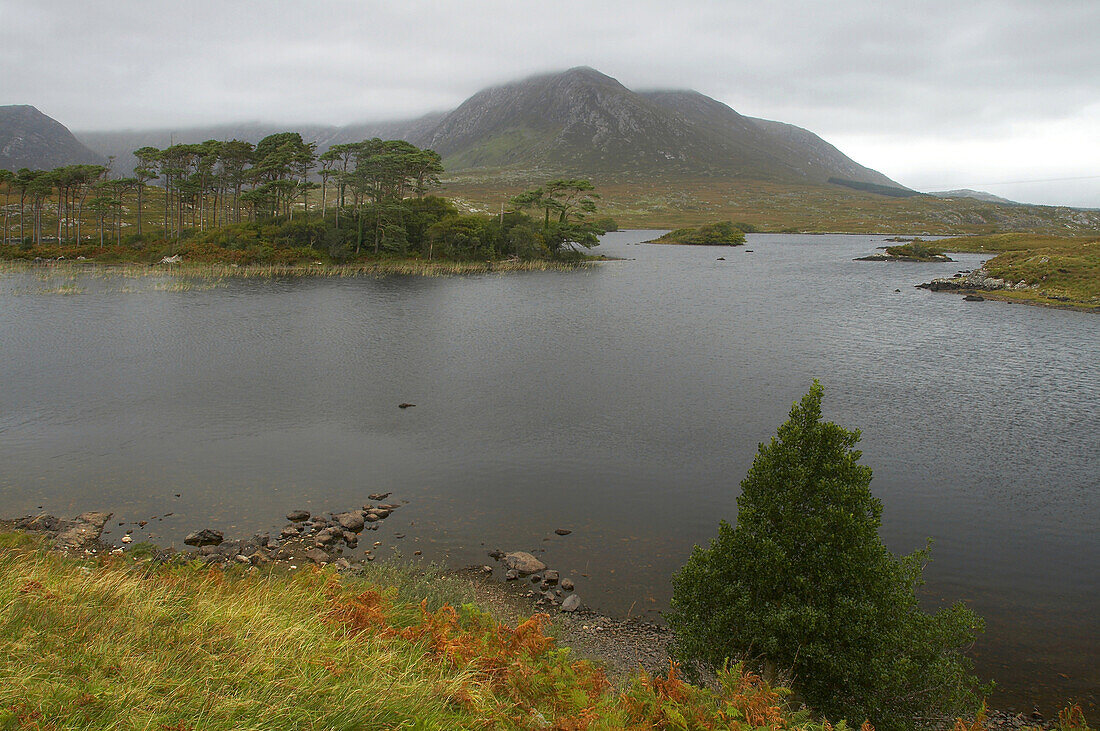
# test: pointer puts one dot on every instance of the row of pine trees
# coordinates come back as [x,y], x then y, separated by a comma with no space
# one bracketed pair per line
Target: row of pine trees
[215,183]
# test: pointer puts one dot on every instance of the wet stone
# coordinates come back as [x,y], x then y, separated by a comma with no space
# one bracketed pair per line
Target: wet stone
[523,562]
[204,537]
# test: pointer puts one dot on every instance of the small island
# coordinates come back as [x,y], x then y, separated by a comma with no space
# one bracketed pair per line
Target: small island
[231,208]
[913,250]
[721,233]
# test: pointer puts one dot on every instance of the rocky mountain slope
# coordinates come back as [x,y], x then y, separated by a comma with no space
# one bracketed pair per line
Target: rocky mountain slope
[579,122]
[30,139]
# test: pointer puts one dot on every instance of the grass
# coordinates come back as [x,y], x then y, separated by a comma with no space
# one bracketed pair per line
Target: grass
[1062,271]
[122,642]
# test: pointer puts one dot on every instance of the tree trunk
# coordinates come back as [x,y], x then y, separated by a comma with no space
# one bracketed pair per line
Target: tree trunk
[359,242]
[60,214]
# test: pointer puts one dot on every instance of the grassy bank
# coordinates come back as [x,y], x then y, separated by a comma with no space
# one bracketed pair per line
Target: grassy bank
[1062,271]
[123,643]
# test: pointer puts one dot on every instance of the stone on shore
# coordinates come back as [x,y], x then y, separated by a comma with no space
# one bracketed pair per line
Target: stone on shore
[523,562]
[327,536]
[350,521]
[85,528]
[571,603]
[317,555]
[297,516]
[204,537]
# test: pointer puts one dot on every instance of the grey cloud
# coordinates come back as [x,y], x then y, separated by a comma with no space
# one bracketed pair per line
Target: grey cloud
[937,68]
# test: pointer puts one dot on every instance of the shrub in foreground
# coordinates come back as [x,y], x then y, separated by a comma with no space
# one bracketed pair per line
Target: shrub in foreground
[805,583]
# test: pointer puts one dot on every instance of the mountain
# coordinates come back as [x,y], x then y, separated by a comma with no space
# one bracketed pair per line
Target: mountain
[577,122]
[30,139]
[582,121]
[979,195]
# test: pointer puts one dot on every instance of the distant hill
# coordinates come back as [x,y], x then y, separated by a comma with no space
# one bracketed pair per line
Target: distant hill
[979,195]
[30,139]
[579,122]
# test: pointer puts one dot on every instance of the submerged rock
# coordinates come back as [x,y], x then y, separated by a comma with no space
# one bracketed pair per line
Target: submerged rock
[297,516]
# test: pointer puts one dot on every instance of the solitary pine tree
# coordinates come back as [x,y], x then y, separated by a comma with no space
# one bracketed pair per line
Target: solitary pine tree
[805,583]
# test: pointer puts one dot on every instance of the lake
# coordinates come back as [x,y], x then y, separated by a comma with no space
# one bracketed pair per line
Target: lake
[624,403]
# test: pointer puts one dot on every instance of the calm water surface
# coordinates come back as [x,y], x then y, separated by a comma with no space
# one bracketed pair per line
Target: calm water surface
[624,403]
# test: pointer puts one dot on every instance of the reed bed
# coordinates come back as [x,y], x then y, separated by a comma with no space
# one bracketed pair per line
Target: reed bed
[207,270]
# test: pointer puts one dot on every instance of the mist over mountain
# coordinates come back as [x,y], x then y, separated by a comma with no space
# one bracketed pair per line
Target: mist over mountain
[579,122]
[30,139]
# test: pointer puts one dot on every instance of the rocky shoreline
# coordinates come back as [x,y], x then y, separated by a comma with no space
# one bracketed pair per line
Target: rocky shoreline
[528,586]
[972,281]
[622,645]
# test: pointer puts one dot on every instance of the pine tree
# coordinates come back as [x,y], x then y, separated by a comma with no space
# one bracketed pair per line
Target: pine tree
[804,583]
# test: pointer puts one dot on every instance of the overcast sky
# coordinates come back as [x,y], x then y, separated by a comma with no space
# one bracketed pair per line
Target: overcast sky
[934,93]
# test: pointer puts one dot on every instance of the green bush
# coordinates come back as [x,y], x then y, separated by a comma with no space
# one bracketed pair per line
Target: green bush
[722,233]
[805,583]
